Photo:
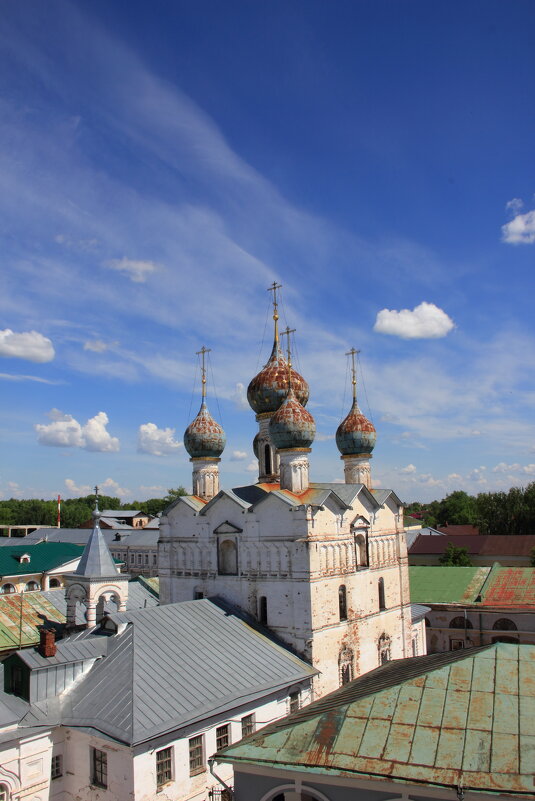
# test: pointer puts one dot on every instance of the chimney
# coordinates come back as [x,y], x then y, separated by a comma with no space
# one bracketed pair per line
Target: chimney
[47,643]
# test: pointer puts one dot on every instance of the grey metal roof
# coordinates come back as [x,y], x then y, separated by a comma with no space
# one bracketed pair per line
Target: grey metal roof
[123,514]
[72,649]
[96,560]
[11,709]
[418,611]
[175,665]
[142,536]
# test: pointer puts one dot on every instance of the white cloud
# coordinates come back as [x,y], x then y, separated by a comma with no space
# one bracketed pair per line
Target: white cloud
[96,345]
[503,467]
[238,456]
[425,321]
[514,205]
[75,490]
[113,488]
[157,441]
[520,230]
[137,271]
[30,345]
[10,377]
[252,467]
[410,468]
[65,431]
[239,397]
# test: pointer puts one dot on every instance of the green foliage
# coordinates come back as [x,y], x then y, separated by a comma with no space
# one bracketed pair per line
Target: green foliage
[455,556]
[75,511]
[532,557]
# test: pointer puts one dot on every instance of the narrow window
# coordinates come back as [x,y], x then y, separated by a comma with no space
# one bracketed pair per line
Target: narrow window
[154,559]
[99,768]
[415,646]
[4,792]
[247,725]
[139,558]
[262,610]
[295,699]
[346,673]
[196,755]
[146,559]
[267,460]
[164,766]
[342,602]
[228,558]
[222,737]
[381,588]
[56,768]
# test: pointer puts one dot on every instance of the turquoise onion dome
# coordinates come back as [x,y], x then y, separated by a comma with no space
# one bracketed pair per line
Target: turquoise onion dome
[355,435]
[292,426]
[204,437]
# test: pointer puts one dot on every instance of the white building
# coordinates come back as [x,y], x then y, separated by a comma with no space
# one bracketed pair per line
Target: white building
[323,565]
[130,709]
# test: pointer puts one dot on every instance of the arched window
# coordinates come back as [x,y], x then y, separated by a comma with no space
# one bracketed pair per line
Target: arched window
[346,665]
[6,589]
[228,558]
[342,602]
[381,590]
[504,624]
[32,586]
[54,582]
[505,638]
[383,646]
[267,460]
[362,551]
[262,610]
[460,622]
[4,792]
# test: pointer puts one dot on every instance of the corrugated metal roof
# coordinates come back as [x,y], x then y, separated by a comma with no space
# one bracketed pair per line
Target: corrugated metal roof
[44,556]
[463,718]
[446,585]
[175,665]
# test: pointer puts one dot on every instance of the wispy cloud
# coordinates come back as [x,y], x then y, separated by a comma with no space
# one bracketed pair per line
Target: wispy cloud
[136,271]
[38,379]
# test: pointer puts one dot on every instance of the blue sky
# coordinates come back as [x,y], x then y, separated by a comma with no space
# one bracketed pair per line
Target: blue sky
[162,164]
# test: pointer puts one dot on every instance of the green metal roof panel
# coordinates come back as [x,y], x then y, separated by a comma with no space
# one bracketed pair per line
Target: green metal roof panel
[43,556]
[446,585]
[462,718]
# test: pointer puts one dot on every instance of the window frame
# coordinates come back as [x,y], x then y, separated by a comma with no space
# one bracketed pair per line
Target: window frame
[5,792]
[99,768]
[342,602]
[222,736]
[164,766]
[294,701]
[196,755]
[247,725]
[56,766]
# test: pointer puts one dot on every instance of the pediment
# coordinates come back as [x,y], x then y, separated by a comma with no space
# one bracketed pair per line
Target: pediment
[227,528]
[360,522]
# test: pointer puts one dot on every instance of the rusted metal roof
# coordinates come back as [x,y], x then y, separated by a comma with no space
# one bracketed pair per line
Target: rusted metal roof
[457,530]
[462,718]
[510,586]
[484,545]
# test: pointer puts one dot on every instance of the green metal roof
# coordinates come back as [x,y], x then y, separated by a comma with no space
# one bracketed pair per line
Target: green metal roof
[462,718]
[446,585]
[43,556]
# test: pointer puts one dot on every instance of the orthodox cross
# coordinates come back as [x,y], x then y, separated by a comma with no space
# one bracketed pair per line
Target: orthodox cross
[202,353]
[287,333]
[352,353]
[273,288]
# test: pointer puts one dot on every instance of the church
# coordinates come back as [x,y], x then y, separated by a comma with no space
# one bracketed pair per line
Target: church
[322,565]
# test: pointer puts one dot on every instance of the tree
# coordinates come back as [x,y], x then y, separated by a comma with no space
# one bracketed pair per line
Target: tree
[173,494]
[455,556]
[458,508]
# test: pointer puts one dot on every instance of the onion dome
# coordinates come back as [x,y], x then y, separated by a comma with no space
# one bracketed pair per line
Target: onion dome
[291,426]
[355,435]
[255,446]
[204,437]
[269,388]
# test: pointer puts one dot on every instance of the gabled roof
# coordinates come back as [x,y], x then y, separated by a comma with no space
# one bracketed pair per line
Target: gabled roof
[175,665]
[382,495]
[225,493]
[44,556]
[484,545]
[461,719]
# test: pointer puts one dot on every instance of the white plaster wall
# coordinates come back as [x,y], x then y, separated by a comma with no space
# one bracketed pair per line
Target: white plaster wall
[439,634]
[25,766]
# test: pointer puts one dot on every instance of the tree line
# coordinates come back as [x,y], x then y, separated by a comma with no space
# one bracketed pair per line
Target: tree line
[75,511]
[511,512]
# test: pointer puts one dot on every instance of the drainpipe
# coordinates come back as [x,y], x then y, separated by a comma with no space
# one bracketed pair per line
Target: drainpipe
[219,779]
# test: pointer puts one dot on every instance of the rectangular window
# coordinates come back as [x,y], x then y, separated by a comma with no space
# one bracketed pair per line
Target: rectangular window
[164,766]
[146,559]
[56,769]
[154,559]
[247,725]
[294,702]
[99,768]
[196,755]
[222,737]
[139,558]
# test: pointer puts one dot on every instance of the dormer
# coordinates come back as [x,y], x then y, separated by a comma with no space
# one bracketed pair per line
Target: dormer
[24,559]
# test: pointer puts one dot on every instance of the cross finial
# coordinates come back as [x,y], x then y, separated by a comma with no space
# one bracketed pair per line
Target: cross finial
[96,511]
[273,288]
[352,353]
[287,333]
[202,352]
